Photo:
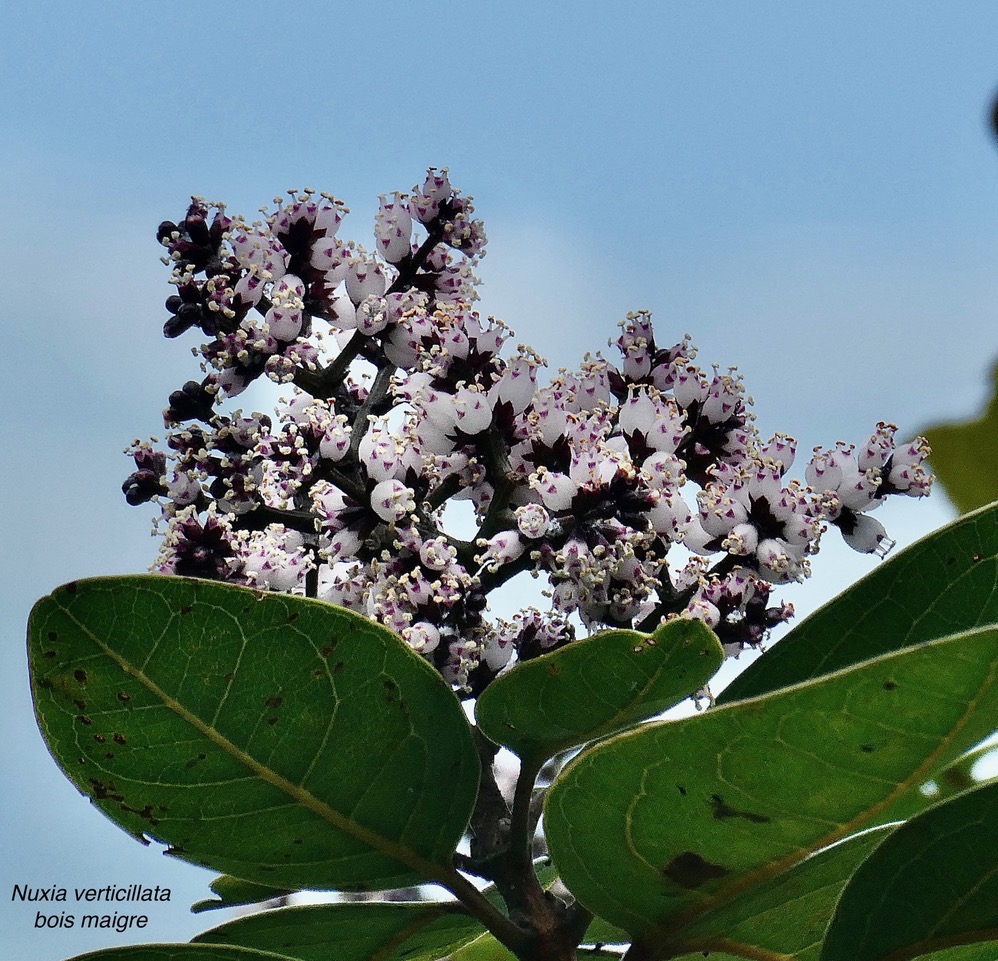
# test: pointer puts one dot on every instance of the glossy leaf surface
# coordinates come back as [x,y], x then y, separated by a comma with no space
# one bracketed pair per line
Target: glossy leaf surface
[932,884]
[788,914]
[942,585]
[673,821]
[232,892]
[276,739]
[180,952]
[596,686]
[352,932]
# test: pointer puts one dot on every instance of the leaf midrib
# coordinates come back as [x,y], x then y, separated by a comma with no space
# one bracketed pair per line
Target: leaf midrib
[392,849]
[726,894]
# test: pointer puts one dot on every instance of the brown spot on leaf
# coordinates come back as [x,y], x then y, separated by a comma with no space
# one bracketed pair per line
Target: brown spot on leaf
[553,669]
[81,705]
[890,685]
[83,719]
[866,748]
[274,702]
[976,558]
[292,618]
[723,811]
[144,813]
[80,675]
[99,738]
[691,871]
[681,789]
[70,588]
[50,653]
[319,672]
[104,792]
[230,677]
[124,697]
[326,651]
[187,608]
[53,635]
[120,739]
[338,666]
[272,721]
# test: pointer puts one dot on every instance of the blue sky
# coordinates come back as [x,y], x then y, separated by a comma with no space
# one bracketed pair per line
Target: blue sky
[808,189]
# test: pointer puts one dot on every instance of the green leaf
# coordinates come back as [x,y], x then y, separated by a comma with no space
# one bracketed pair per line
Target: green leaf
[180,952]
[965,456]
[276,739]
[787,915]
[233,892]
[932,884]
[670,822]
[485,948]
[596,686]
[942,585]
[366,931]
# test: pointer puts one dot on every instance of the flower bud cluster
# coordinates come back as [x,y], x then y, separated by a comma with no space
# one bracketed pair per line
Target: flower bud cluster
[636,489]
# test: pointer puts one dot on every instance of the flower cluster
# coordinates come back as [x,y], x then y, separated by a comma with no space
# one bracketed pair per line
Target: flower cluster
[636,488]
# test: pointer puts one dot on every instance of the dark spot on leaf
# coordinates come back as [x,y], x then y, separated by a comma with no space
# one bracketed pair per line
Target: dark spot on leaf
[681,789]
[271,721]
[49,653]
[83,719]
[230,677]
[326,651]
[124,697]
[109,755]
[553,669]
[201,755]
[81,760]
[144,813]
[104,792]
[338,666]
[866,748]
[292,618]
[70,588]
[81,705]
[99,738]
[80,675]
[274,702]
[44,683]
[53,635]
[976,558]
[319,672]
[723,811]
[890,685]
[391,689]
[187,608]
[120,739]
[691,871]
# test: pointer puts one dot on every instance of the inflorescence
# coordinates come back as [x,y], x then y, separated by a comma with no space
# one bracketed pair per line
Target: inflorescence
[639,490]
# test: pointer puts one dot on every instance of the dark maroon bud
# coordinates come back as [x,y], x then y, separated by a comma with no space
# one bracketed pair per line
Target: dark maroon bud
[165,229]
[142,486]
